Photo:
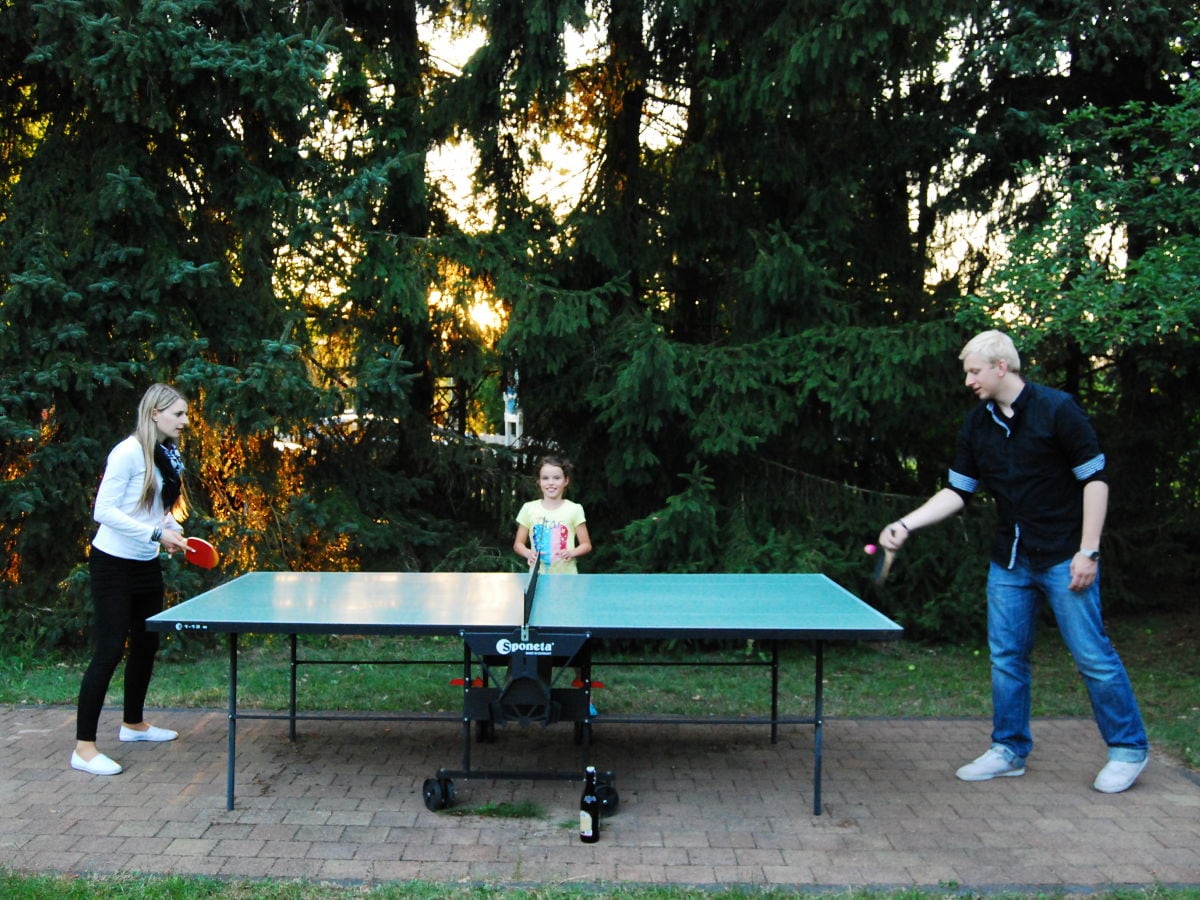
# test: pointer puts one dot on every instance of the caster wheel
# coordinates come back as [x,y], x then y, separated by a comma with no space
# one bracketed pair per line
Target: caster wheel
[609,799]
[438,793]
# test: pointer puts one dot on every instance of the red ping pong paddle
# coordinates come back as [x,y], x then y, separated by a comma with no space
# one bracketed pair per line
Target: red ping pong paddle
[201,553]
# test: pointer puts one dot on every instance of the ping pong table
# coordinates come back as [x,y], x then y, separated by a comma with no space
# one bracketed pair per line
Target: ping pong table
[535,638]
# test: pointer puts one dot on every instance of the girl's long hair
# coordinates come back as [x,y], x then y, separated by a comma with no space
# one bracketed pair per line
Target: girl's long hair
[156,399]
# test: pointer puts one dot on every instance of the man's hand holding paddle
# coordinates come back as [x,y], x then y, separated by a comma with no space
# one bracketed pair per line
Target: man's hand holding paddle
[942,505]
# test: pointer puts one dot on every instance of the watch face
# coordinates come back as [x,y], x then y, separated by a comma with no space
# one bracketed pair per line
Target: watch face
[1094,555]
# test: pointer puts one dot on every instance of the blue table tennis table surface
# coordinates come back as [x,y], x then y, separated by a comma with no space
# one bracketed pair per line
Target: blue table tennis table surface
[764,606]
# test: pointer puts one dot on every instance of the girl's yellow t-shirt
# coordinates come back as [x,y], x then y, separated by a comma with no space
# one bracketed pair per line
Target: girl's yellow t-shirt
[551,530]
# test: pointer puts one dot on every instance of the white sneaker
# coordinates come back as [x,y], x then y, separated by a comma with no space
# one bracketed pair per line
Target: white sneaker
[97,765]
[992,764]
[1119,776]
[150,734]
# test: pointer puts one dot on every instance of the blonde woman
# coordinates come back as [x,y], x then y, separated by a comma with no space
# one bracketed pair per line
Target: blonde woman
[139,506]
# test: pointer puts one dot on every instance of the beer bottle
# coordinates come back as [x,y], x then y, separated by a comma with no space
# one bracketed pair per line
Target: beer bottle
[589,809]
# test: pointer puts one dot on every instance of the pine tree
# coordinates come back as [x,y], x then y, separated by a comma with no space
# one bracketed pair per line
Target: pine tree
[156,175]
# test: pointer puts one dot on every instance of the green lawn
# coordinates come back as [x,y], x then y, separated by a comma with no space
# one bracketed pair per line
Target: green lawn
[14,887]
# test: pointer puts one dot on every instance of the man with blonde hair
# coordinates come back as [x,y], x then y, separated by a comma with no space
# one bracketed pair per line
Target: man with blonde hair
[1035,452]
[995,347]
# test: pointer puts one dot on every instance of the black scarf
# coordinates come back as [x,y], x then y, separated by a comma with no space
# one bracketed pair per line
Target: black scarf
[170,466]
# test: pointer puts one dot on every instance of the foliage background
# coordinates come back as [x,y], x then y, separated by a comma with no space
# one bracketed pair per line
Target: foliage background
[740,318]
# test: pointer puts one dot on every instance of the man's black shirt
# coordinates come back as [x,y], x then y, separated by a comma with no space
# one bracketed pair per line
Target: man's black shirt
[1035,466]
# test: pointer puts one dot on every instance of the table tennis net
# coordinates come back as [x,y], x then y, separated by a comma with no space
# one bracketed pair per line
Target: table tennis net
[531,588]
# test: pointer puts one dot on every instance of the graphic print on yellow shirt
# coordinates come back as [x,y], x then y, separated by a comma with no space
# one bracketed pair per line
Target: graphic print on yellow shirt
[547,538]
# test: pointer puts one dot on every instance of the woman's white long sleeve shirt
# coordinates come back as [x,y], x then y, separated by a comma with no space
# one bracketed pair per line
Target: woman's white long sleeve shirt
[125,526]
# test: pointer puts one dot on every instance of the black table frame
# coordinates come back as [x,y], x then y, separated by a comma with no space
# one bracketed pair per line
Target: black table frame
[293,715]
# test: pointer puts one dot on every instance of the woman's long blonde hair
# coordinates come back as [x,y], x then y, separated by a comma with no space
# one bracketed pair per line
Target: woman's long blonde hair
[157,398]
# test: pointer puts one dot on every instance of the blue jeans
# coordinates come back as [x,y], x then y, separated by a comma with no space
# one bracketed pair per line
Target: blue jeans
[1014,597]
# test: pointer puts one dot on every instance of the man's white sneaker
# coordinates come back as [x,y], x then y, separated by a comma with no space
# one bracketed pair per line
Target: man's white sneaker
[152,733]
[992,764]
[1119,776]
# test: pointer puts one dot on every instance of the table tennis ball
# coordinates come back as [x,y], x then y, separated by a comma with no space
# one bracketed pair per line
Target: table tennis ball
[870,549]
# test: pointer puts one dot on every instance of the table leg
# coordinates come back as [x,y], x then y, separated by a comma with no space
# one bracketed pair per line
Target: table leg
[466,720]
[232,729]
[818,717]
[774,692]
[292,697]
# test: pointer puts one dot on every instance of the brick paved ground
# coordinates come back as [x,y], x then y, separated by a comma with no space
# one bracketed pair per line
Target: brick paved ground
[718,806]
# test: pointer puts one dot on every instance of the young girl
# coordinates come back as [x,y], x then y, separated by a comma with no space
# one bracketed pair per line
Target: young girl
[139,505]
[554,526]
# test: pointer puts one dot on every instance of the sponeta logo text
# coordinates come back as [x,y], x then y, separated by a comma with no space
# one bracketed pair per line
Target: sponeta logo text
[504,646]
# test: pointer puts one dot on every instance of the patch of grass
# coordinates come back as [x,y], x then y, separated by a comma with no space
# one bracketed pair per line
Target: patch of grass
[503,810]
[128,887]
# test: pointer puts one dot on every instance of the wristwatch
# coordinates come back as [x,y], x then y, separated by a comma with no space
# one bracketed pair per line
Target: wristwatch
[1093,555]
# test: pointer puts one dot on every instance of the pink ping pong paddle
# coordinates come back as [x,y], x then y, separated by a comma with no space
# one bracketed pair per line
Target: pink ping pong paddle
[201,553]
